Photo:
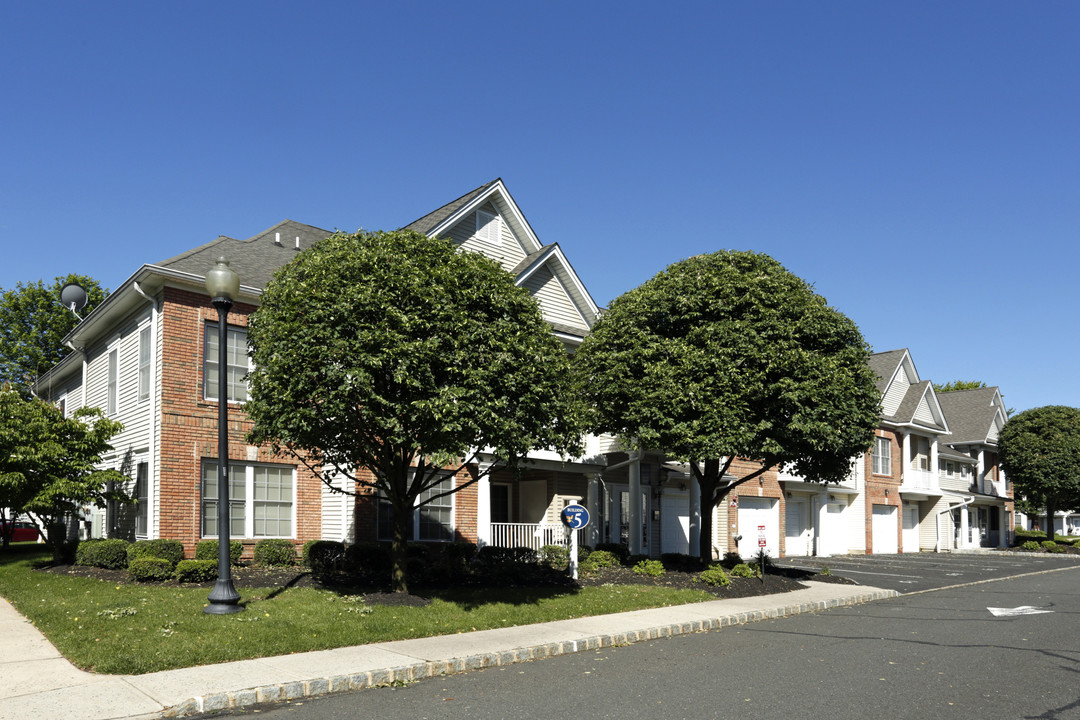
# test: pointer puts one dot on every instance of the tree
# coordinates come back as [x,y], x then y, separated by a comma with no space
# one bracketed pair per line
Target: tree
[399,354]
[49,463]
[33,324]
[730,355]
[1039,450]
[959,385]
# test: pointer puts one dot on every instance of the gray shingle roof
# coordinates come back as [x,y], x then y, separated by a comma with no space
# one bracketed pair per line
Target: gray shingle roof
[432,220]
[884,365]
[970,414]
[905,413]
[256,259]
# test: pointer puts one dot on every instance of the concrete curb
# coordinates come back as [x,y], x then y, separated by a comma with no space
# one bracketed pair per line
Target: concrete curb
[421,669]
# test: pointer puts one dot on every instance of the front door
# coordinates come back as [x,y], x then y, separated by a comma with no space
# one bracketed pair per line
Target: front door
[911,528]
[797,529]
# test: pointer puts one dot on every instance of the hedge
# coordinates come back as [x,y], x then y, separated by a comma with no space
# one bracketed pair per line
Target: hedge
[271,552]
[208,550]
[104,553]
[143,569]
[162,549]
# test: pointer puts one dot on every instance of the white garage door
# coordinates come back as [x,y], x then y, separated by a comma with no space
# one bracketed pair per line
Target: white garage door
[757,517]
[834,533]
[884,528]
[675,523]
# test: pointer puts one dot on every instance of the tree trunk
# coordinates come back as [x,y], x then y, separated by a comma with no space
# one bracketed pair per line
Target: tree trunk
[708,491]
[1051,510]
[399,549]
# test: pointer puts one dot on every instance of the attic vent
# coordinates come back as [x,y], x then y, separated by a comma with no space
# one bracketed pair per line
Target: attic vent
[297,242]
[488,229]
[277,238]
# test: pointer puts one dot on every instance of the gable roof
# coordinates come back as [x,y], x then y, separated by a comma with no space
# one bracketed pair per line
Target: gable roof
[885,365]
[906,400]
[975,416]
[437,218]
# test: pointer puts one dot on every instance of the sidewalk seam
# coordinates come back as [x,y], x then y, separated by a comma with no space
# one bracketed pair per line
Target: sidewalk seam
[423,669]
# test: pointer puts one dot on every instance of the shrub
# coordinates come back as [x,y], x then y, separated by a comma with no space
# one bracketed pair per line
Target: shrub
[368,558]
[556,557]
[162,549]
[193,571]
[622,552]
[322,556]
[148,569]
[208,550]
[491,555]
[107,553]
[458,554]
[731,559]
[682,563]
[1051,546]
[652,568]
[714,575]
[599,559]
[270,552]
[1031,546]
[744,571]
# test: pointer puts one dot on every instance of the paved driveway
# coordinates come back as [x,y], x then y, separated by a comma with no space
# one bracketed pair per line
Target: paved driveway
[912,572]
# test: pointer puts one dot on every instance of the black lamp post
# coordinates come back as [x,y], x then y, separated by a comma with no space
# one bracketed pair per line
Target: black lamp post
[223,284]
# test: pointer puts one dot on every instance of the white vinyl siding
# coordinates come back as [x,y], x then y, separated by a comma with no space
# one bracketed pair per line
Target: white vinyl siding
[923,413]
[894,394]
[504,248]
[337,515]
[554,300]
[262,500]
[113,380]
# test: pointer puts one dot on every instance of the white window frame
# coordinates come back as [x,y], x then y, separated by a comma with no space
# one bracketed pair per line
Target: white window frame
[209,390]
[384,534]
[882,462]
[112,382]
[236,469]
[146,362]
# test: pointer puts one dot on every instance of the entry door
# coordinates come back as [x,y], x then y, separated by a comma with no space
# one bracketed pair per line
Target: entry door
[797,529]
[834,531]
[759,516]
[675,523]
[911,528]
[884,526]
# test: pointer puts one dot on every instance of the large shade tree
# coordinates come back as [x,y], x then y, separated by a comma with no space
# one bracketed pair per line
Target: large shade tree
[730,355]
[50,464]
[33,324]
[401,355]
[1039,450]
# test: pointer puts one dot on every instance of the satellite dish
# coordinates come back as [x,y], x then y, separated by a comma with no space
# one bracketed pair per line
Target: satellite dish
[73,297]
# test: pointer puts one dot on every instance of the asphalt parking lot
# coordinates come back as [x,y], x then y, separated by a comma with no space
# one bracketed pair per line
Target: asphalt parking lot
[914,572]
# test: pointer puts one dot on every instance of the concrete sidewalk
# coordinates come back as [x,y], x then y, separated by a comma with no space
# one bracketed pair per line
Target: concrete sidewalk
[37,682]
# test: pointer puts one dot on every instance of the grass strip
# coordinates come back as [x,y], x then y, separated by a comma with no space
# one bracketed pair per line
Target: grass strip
[134,629]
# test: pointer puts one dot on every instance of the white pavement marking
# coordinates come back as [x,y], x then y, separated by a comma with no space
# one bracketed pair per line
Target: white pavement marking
[1022,610]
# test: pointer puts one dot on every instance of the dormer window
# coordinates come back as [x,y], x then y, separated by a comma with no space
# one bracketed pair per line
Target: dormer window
[488,228]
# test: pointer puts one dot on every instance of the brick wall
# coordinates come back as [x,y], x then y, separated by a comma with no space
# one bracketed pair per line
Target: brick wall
[765,485]
[884,489]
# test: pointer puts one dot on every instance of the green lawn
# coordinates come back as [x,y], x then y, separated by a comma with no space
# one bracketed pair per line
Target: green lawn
[133,629]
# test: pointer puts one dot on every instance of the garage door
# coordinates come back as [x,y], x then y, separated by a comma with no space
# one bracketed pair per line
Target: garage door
[884,530]
[834,533]
[675,523]
[757,517]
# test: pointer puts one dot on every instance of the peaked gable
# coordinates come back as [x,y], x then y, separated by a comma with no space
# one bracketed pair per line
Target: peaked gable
[976,416]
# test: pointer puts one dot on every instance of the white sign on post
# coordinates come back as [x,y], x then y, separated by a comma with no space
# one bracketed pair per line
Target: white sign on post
[575,517]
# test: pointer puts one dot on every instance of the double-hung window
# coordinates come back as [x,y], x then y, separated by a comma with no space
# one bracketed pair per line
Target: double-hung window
[882,456]
[144,364]
[261,500]
[236,363]
[433,521]
[142,499]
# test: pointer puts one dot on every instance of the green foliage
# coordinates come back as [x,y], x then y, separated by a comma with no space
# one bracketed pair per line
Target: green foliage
[374,348]
[599,559]
[620,551]
[1050,546]
[33,324]
[1039,450]
[714,575]
[958,385]
[1031,546]
[730,355]
[194,571]
[49,463]
[681,562]
[208,550]
[103,553]
[743,570]
[491,555]
[272,552]
[368,557]
[322,556]
[556,557]
[651,568]
[171,551]
[731,559]
[150,569]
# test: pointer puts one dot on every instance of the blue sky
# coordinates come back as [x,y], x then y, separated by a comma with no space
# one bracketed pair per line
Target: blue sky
[917,162]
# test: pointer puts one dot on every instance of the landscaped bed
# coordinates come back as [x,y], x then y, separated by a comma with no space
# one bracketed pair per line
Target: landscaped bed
[103,621]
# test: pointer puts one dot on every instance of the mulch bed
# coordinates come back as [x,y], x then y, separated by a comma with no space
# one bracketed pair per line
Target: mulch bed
[776,580]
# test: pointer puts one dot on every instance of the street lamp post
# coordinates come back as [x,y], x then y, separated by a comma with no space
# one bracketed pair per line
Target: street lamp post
[223,284]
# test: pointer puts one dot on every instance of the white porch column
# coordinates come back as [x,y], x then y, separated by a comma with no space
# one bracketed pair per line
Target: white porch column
[965,527]
[592,504]
[483,506]
[695,515]
[634,503]
[905,460]
[980,468]
[934,475]
[821,516]
[1003,523]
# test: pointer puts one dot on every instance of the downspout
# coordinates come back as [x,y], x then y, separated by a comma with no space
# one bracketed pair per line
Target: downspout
[937,523]
[152,470]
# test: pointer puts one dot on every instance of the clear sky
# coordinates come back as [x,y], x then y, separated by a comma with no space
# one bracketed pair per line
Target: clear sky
[917,162]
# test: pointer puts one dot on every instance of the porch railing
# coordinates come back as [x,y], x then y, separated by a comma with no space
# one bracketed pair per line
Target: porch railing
[532,535]
[919,480]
